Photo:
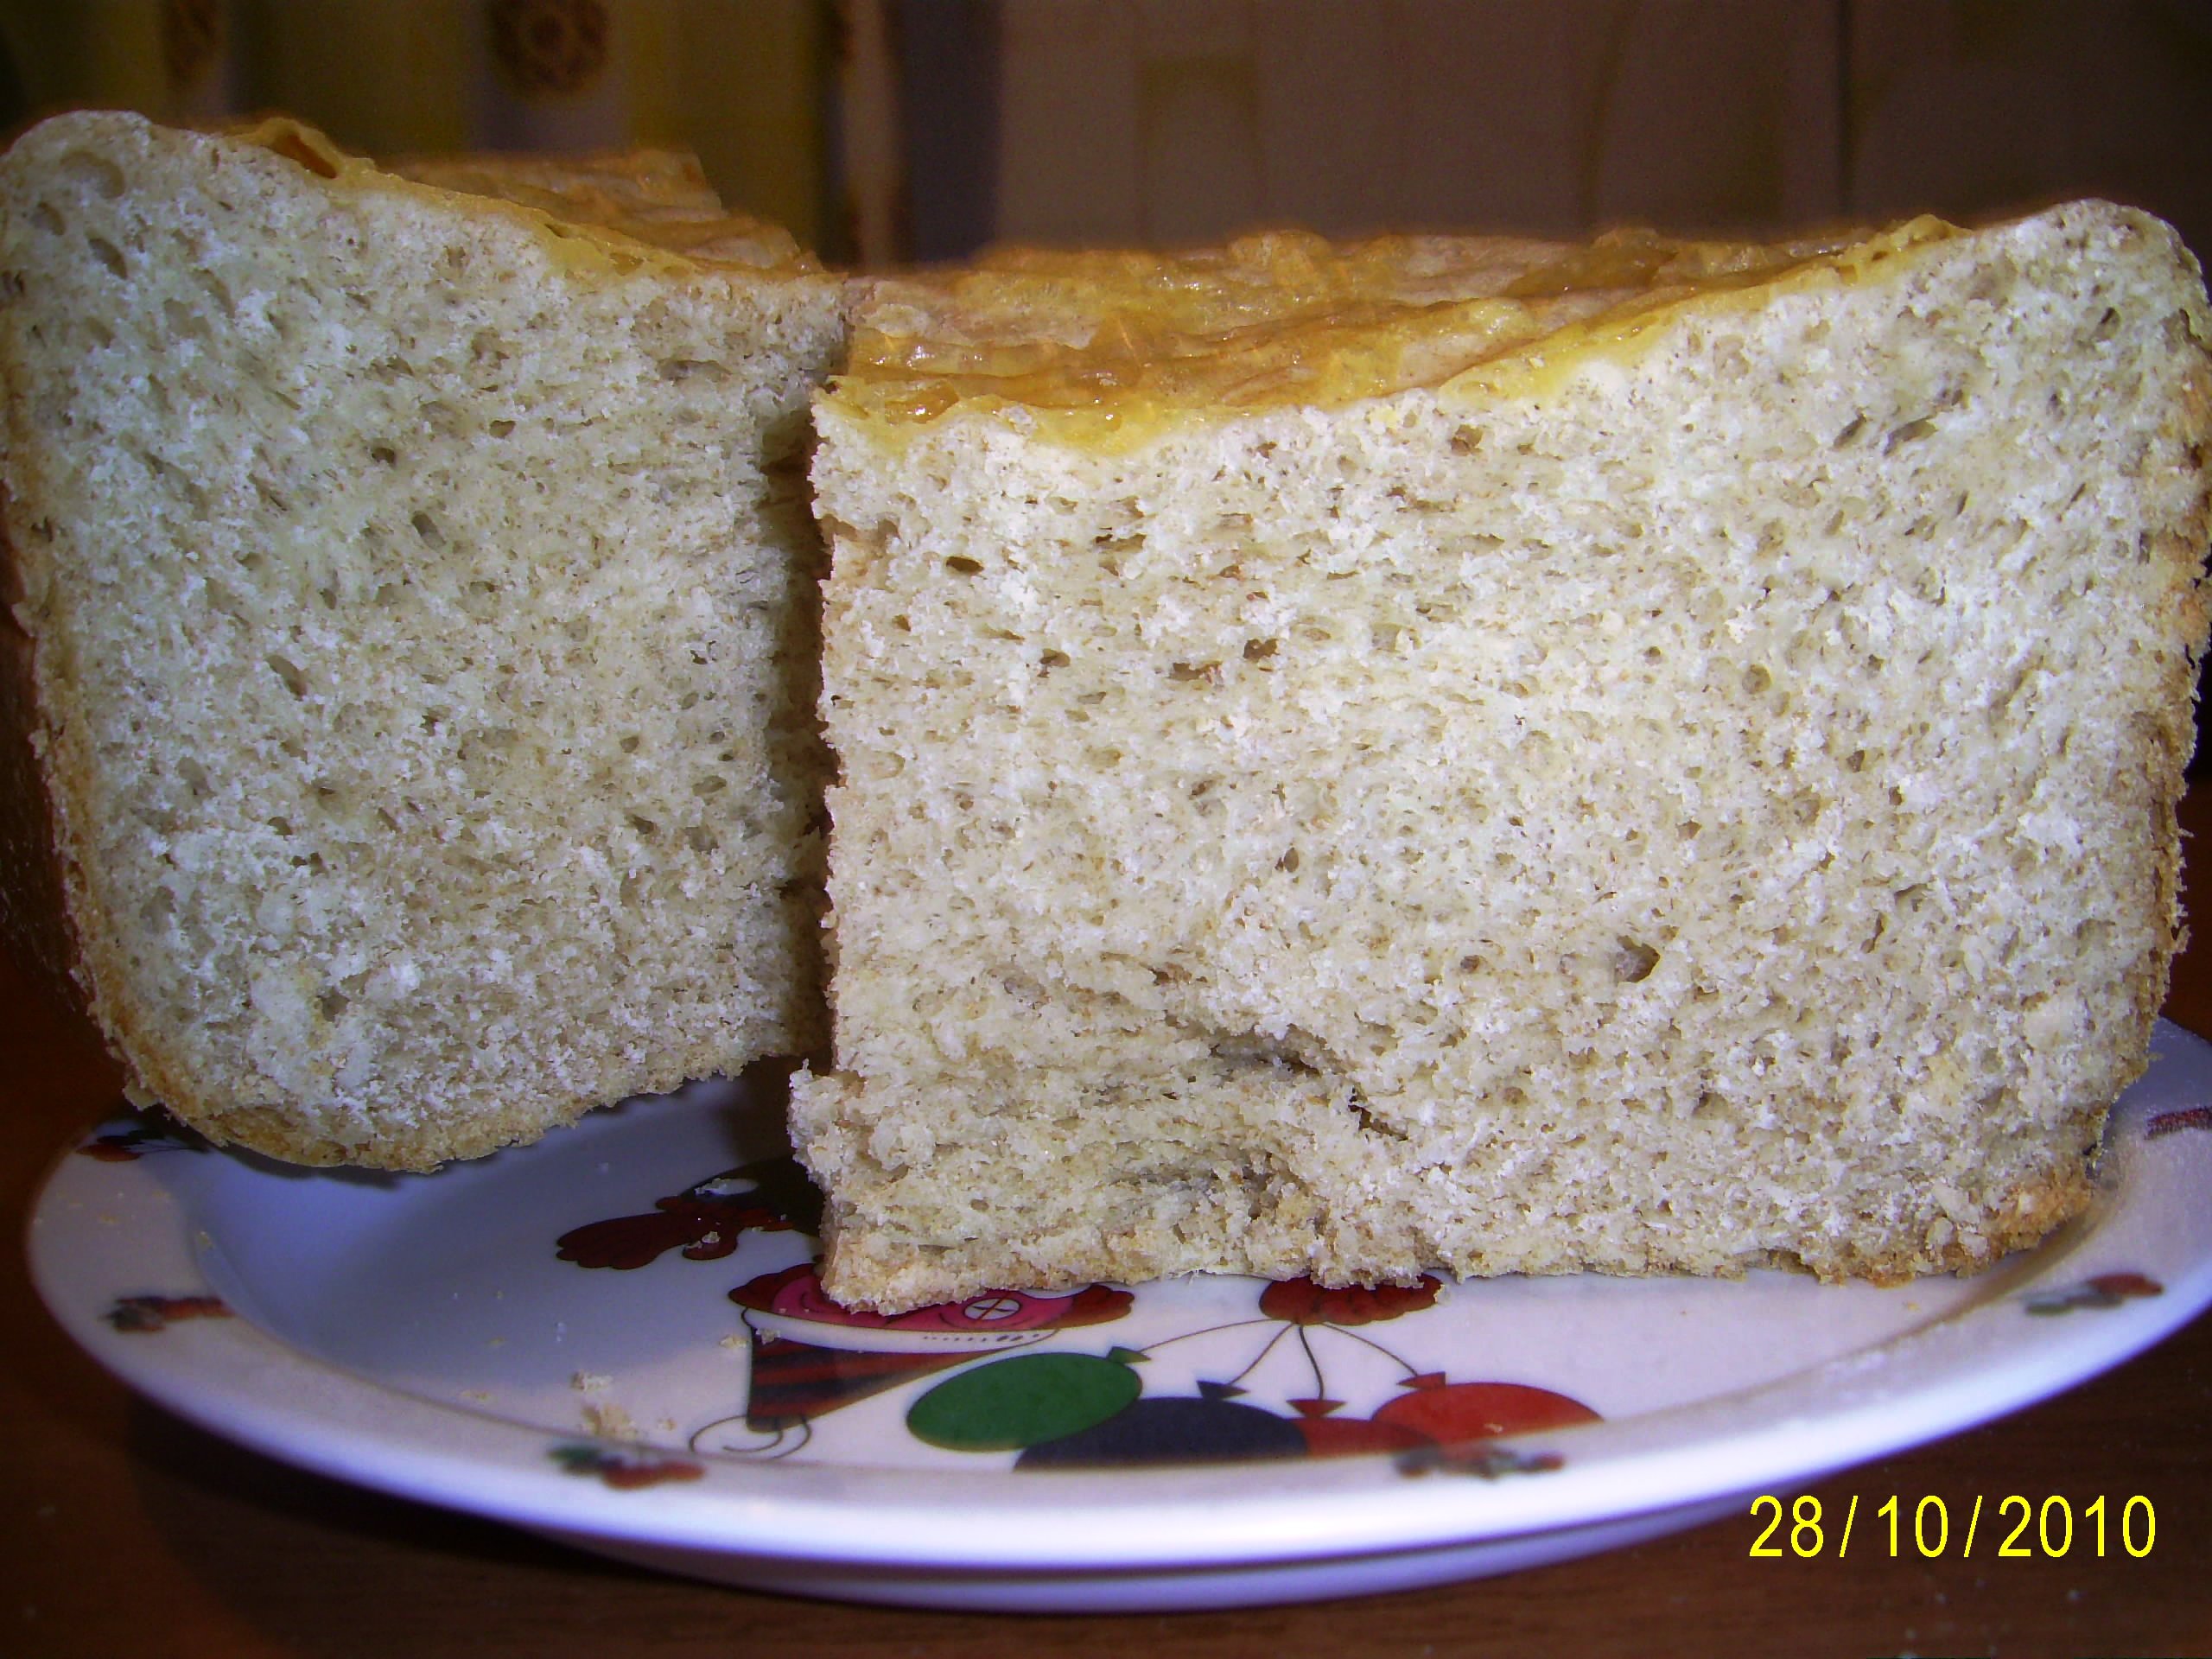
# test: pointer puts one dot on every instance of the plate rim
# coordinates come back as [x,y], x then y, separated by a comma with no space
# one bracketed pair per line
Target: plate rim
[315,1413]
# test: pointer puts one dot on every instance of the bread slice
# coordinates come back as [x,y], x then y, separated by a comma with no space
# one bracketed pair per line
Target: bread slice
[1503,758]
[414,633]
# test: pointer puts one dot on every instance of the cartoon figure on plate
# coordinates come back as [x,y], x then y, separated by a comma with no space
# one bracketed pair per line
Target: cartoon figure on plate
[1274,1383]
[1074,1411]
[810,1356]
[704,1221]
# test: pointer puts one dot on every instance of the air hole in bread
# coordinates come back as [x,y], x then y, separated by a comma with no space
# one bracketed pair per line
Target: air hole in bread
[1369,1122]
[964,565]
[1113,551]
[216,290]
[183,321]
[289,672]
[1907,432]
[89,171]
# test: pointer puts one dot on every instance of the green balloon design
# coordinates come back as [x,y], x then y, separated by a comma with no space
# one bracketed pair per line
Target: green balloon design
[1015,1402]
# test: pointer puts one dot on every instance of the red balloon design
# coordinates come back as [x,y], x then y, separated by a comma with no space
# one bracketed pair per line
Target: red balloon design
[1449,1412]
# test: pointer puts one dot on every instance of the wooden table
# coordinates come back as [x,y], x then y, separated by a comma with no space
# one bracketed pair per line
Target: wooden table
[123,1531]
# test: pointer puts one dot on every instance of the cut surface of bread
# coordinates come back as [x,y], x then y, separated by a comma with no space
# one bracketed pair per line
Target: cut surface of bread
[412,652]
[1501,757]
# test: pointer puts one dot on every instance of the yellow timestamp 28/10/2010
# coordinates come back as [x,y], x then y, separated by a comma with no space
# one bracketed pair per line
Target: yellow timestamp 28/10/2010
[2022,1528]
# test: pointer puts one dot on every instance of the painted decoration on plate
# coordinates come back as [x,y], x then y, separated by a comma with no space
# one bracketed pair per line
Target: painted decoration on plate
[1100,1377]
[142,1315]
[623,1471]
[2189,1117]
[2106,1290]
[127,1139]
[1295,1371]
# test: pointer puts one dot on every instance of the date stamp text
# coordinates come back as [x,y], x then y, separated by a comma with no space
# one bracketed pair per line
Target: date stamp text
[2014,1527]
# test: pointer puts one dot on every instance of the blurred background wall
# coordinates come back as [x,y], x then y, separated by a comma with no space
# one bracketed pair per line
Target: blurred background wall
[885,130]
[1559,116]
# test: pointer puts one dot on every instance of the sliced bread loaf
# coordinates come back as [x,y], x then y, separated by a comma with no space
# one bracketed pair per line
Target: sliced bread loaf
[412,660]
[1499,757]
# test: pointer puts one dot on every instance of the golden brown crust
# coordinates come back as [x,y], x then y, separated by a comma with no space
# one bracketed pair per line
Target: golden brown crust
[655,196]
[607,212]
[2027,1216]
[49,913]
[1107,351]
[34,911]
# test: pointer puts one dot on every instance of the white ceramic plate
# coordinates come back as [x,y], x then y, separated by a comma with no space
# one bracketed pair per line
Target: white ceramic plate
[675,1392]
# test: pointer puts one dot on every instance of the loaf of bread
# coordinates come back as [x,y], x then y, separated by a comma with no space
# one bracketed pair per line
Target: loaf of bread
[1496,757]
[411,661]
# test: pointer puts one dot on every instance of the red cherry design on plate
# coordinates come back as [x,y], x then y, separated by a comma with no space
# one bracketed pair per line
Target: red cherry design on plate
[1450,1412]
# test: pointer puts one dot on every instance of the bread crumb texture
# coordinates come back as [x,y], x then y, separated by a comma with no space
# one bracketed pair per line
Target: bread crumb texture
[413,626]
[1690,787]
